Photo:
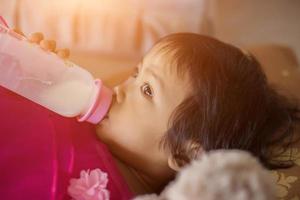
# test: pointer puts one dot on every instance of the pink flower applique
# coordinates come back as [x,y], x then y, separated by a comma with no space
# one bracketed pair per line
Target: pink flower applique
[90,186]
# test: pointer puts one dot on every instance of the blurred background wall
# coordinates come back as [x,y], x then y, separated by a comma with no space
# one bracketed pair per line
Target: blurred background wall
[110,26]
[130,27]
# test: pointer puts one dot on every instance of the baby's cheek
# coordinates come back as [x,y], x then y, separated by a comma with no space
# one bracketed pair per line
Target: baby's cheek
[112,130]
[102,133]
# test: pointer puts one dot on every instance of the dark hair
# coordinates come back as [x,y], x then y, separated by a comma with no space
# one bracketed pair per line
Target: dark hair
[232,105]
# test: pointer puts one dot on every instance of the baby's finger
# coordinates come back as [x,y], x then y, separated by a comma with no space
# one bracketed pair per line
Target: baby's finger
[36,37]
[63,53]
[18,31]
[48,45]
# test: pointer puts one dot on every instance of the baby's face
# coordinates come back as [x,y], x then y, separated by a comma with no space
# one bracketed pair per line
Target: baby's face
[140,111]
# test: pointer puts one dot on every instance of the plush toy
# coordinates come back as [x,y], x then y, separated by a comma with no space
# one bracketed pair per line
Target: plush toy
[220,175]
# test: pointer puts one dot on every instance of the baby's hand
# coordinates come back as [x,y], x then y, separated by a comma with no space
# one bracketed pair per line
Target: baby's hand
[47,45]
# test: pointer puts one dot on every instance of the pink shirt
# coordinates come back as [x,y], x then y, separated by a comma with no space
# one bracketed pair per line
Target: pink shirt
[40,151]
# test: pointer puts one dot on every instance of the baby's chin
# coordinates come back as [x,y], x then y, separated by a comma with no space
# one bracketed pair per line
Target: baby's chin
[102,129]
[104,123]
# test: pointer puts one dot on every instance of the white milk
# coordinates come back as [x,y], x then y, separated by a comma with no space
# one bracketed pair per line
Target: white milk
[76,97]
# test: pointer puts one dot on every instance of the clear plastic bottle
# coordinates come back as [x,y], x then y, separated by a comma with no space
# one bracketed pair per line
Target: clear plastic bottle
[50,81]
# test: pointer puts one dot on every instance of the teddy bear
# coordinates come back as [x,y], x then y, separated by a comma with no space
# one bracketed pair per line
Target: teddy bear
[220,175]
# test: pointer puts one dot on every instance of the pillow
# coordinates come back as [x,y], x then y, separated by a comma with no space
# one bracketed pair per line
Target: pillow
[282,69]
[288,180]
[250,22]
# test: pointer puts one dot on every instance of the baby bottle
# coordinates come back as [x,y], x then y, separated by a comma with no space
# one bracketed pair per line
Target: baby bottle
[50,81]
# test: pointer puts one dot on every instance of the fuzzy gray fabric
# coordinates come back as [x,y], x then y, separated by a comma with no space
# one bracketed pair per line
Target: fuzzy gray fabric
[220,175]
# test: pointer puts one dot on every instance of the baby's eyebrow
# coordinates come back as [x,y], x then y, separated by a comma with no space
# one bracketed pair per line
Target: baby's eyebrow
[153,74]
[156,77]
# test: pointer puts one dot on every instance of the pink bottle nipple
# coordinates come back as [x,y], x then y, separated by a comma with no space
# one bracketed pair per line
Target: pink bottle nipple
[100,106]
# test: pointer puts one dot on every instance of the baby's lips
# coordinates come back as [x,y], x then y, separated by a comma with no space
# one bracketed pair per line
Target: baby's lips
[113,100]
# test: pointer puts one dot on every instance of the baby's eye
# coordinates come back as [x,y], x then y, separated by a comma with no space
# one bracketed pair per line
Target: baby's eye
[145,89]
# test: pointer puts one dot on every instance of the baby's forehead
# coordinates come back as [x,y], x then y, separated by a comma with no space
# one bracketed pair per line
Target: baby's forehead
[162,60]
[175,86]
[160,67]
[166,66]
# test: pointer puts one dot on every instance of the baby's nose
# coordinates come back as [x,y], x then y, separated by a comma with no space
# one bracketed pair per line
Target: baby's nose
[118,93]
[113,99]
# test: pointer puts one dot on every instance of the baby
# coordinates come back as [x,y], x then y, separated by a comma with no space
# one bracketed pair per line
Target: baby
[193,94]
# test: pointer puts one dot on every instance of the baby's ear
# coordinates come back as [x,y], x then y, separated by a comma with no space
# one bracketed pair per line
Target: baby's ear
[195,152]
[173,164]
